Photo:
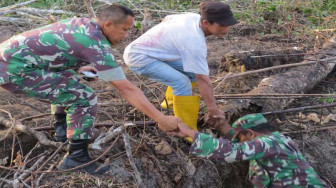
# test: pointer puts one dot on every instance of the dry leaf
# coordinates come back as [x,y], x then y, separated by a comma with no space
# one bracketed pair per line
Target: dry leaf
[191,169]
[17,161]
[278,121]
[4,161]
[163,148]
[313,117]
[327,118]
[303,126]
[148,163]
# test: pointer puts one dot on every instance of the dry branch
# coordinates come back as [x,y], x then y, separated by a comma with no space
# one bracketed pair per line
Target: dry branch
[19,127]
[32,168]
[9,182]
[25,160]
[7,12]
[36,18]
[44,11]
[108,1]
[16,20]
[274,96]
[300,109]
[166,11]
[310,130]
[35,116]
[57,171]
[147,123]
[52,156]
[89,8]
[42,175]
[49,159]
[128,149]
[36,11]
[106,137]
[23,102]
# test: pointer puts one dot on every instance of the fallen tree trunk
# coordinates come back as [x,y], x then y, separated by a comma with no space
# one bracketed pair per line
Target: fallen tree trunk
[295,80]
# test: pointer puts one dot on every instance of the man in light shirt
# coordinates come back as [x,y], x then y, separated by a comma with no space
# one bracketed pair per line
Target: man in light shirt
[174,53]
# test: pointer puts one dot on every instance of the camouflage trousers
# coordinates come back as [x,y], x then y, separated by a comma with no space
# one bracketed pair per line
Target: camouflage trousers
[66,94]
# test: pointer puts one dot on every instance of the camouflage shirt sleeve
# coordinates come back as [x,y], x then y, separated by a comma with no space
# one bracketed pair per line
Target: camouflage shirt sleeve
[205,145]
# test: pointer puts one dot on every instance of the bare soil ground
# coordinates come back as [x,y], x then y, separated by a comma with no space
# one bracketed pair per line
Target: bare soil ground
[163,160]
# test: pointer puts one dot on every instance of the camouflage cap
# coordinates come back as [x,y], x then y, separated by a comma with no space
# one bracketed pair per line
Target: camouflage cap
[247,122]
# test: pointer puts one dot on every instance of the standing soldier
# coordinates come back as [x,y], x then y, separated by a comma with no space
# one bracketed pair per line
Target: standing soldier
[275,160]
[174,53]
[40,63]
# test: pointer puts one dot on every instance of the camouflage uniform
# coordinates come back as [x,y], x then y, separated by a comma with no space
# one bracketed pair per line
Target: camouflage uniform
[42,63]
[275,160]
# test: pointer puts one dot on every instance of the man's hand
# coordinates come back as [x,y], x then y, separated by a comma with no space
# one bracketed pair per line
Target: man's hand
[213,115]
[183,131]
[205,88]
[219,122]
[136,98]
[168,123]
[88,68]
[216,121]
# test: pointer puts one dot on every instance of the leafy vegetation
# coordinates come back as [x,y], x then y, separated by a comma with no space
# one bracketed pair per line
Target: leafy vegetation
[292,18]
[328,99]
[47,4]
[298,17]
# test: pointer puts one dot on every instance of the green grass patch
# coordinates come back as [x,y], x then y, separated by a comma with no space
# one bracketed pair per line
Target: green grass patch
[42,4]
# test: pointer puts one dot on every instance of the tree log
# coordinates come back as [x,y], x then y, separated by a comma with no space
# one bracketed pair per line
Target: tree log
[295,80]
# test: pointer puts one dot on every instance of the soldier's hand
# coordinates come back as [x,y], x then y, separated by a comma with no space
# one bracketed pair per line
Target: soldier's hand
[168,123]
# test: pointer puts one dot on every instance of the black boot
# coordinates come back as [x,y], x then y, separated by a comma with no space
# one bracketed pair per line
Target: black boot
[78,155]
[60,126]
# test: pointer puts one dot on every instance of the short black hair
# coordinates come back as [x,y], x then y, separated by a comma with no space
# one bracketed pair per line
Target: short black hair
[262,128]
[115,13]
